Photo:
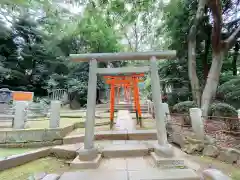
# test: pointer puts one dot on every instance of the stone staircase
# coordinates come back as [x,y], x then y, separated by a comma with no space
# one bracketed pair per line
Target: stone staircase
[125,160]
[130,107]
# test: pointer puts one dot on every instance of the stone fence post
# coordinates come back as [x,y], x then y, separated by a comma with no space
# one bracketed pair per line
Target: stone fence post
[197,122]
[55,114]
[166,112]
[20,116]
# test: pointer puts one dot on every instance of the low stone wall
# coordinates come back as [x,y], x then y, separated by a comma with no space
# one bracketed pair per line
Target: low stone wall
[34,137]
[38,137]
[190,144]
[20,159]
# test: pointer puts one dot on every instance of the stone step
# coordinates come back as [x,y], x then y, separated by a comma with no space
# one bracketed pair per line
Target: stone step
[121,108]
[168,174]
[114,135]
[168,163]
[125,150]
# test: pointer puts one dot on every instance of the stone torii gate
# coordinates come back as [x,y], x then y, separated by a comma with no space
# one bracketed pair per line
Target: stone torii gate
[163,147]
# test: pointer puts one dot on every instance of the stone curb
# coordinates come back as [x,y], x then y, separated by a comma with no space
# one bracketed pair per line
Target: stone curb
[20,159]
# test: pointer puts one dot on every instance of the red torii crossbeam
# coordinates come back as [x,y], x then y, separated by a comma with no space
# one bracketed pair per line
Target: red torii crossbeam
[129,82]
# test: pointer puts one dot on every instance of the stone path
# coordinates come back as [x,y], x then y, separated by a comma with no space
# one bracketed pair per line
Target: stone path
[124,121]
[131,168]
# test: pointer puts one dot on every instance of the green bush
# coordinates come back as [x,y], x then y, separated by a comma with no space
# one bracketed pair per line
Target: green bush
[222,109]
[183,107]
[226,111]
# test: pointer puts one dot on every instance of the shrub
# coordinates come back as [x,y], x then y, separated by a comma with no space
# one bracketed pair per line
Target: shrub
[183,107]
[222,109]
[227,111]
[178,95]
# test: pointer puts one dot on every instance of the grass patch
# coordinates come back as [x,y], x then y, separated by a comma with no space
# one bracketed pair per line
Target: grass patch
[4,152]
[236,176]
[47,165]
[44,122]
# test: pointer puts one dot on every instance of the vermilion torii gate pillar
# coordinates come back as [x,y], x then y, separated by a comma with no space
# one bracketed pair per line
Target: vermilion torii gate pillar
[163,147]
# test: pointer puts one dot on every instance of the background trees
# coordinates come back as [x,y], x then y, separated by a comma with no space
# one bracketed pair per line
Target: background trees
[37,37]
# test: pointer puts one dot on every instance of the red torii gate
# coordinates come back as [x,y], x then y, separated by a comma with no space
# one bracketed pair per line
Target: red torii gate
[129,82]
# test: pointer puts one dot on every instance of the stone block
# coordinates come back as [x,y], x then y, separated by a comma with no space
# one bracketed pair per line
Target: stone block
[229,155]
[167,162]
[211,151]
[192,148]
[51,177]
[178,139]
[73,139]
[77,163]
[17,160]
[3,135]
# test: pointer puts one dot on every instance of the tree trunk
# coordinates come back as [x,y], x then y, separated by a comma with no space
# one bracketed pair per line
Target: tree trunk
[192,52]
[235,57]
[205,57]
[210,89]
[192,73]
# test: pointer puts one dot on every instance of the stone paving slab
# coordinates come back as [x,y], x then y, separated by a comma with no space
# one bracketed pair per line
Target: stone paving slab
[95,175]
[124,121]
[113,164]
[51,177]
[140,163]
[119,150]
[149,174]
[167,174]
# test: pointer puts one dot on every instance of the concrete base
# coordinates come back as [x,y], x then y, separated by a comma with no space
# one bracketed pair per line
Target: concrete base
[164,151]
[167,163]
[92,164]
[87,154]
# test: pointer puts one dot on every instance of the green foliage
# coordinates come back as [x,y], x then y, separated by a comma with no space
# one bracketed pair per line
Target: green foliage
[223,109]
[35,48]
[183,107]
[178,95]
[229,92]
[228,112]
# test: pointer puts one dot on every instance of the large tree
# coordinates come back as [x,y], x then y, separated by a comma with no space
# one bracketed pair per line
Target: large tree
[220,47]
